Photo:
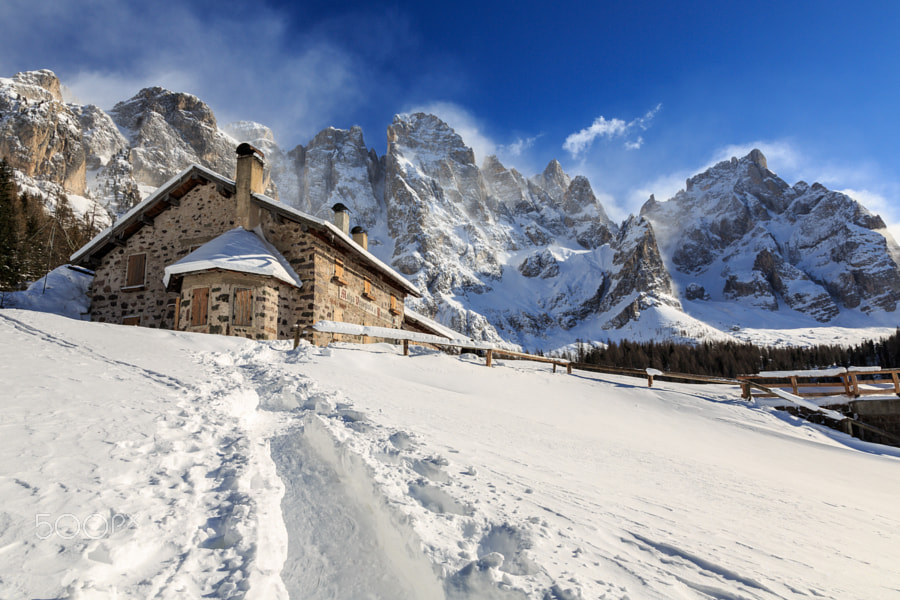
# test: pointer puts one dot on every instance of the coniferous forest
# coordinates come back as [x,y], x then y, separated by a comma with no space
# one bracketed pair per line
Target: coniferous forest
[727,359]
[35,238]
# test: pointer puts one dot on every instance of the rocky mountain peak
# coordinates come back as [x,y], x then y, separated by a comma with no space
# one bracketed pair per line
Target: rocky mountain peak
[428,139]
[173,106]
[169,131]
[553,179]
[336,167]
[758,158]
[45,80]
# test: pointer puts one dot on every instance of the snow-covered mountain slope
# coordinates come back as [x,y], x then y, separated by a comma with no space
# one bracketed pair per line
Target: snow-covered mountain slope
[534,261]
[151,464]
[739,238]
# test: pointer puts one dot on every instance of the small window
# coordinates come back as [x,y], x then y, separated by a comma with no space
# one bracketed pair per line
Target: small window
[136,270]
[132,320]
[199,306]
[395,306]
[338,272]
[367,289]
[243,307]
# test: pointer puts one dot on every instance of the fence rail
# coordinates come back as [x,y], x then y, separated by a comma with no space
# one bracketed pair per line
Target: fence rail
[852,384]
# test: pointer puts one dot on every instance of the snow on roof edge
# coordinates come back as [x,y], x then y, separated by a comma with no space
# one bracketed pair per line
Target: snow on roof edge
[334,229]
[138,208]
[412,315]
[284,272]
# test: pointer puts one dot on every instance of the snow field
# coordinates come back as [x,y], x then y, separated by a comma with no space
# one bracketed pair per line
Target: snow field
[130,476]
[229,468]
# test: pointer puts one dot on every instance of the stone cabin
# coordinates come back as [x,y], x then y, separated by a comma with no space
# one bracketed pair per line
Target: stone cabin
[207,254]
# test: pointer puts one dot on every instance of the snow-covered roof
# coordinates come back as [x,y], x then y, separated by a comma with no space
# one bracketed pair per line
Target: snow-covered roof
[158,200]
[397,334]
[430,324]
[236,250]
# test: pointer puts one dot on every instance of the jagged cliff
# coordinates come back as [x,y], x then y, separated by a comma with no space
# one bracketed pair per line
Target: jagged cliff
[739,233]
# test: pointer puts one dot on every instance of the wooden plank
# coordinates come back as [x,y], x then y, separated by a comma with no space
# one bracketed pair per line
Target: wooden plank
[199,306]
[243,307]
[896,382]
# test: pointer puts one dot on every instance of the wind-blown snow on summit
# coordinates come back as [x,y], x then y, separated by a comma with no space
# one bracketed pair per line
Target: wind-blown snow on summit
[739,234]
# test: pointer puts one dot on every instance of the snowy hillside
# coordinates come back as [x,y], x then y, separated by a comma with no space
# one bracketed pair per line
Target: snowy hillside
[151,464]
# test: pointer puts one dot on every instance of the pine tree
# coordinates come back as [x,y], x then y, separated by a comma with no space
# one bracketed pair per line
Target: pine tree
[10,266]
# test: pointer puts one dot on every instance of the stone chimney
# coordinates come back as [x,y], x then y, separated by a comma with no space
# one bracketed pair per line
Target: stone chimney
[248,180]
[342,217]
[361,237]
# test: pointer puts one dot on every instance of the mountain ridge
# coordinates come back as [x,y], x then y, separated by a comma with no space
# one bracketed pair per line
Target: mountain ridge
[533,260]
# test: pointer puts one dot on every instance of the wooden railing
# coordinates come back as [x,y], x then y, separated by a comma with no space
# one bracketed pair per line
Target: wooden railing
[817,384]
[851,383]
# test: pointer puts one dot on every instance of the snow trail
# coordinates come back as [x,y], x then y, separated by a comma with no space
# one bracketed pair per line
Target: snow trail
[345,541]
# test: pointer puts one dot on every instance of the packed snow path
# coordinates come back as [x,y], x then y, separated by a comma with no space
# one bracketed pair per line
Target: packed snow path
[152,464]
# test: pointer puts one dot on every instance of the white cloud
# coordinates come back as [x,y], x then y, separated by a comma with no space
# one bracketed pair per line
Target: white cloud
[636,144]
[516,148]
[602,127]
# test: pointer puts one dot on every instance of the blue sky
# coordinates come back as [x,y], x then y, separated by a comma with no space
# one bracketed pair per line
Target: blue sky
[635,95]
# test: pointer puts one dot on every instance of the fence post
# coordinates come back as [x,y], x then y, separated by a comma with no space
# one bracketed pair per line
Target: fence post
[846,382]
[405,347]
[569,368]
[296,335]
[649,380]
[489,355]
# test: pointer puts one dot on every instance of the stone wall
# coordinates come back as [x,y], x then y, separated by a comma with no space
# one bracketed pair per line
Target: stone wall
[266,293]
[883,414]
[312,255]
[201,215]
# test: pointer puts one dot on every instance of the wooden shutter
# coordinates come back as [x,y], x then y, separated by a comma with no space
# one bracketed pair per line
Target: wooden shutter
[395,308]
[199,306]
[243,307]
[133,320]
[367,289]
[134,274]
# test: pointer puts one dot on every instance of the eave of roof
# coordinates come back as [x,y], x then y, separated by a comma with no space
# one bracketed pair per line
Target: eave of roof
[152,205]
[336,234]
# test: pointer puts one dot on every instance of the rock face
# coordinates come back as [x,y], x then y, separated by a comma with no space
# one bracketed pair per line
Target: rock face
[39,135]
[168,131]
[337,167]
[744,235]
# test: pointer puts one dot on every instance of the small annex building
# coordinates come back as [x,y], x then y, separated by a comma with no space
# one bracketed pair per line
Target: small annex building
[207,254]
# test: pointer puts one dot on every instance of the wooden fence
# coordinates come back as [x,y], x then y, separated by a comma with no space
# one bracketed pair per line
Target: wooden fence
[852,384]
